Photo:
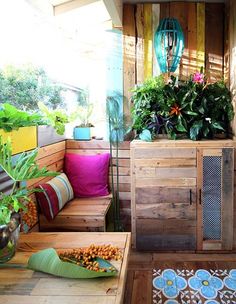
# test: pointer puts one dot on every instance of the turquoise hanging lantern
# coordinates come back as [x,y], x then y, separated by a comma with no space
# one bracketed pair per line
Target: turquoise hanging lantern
[169,44]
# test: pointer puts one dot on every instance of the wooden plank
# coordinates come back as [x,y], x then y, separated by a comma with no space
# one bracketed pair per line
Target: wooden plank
[212,246]
[214,44]
[179,10]
[199,199]
[147,13]
[51,159]
[139,18]
[212,152]
[129,49]
[200,35]
[166,242]
[227,198]
[122,153]
[51,149]
[164,10]
[191,64]
[227,43]
[166,211]
[166,226]
[166,172]
[166,162]
[94,144]
[144,294]
[182,143]
[155,23]
[165,153]
[133,197]
[168,182]
[54,167]
[164,195]
[22,299]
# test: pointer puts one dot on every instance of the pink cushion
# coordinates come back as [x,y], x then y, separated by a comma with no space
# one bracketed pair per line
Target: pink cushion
[88,174]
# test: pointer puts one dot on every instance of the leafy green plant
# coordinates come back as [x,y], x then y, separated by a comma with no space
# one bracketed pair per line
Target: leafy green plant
[83,113]
[24,87]
[24,169]
[12,119]
[192,109]
[55,118]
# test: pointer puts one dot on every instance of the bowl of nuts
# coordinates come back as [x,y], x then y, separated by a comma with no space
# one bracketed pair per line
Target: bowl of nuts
[90,262]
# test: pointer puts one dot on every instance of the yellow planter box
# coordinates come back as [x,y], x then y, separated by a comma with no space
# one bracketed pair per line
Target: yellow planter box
[23,139]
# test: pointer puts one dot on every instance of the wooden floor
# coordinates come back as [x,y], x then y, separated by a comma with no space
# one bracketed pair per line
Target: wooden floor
[139,277]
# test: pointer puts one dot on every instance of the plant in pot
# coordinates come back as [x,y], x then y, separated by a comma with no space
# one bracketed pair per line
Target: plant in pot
[192,109]
[23,169]
[83,130]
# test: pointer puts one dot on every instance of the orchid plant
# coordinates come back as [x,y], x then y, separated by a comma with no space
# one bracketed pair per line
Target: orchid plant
[192,109]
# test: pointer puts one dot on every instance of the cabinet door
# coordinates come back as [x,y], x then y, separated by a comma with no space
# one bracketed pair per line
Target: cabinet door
[165,199]
[215,199]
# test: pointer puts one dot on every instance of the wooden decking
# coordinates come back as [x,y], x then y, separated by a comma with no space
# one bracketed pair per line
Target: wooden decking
[138,288]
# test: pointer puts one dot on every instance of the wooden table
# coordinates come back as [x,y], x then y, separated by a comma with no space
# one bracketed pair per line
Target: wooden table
[24,286]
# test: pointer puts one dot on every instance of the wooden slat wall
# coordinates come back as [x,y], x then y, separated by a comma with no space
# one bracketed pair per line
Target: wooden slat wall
[98,147]
[203,27]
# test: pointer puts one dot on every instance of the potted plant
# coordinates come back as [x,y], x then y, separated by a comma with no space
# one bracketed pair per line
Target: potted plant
[83,130]
[54,128]
[191,109]
[10,204]
[15,124]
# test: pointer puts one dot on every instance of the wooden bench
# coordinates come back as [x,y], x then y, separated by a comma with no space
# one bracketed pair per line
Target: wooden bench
[80,214]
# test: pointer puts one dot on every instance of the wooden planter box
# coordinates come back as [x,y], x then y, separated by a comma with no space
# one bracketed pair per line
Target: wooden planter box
[23,139]
[47,135]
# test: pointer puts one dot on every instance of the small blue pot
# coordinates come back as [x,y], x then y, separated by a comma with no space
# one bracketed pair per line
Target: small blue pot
[82,133]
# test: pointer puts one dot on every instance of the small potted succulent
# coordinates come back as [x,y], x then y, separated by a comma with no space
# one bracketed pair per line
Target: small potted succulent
[83,130]
[21,170]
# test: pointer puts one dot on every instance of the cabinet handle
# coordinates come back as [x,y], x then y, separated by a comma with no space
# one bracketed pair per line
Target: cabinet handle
[200,196]
[190,196]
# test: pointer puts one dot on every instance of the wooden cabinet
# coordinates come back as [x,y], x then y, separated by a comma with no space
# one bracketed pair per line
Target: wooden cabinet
[169,182]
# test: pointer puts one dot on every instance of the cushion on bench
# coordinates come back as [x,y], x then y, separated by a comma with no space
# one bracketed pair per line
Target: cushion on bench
[88,174]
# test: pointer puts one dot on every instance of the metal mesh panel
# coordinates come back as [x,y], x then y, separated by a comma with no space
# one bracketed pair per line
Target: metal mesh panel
[211,197]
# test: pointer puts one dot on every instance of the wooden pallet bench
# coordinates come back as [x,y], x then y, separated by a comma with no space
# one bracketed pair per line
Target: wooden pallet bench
[80,214]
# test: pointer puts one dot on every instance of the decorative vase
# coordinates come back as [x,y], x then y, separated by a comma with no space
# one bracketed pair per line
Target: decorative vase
[9,235]
[82,133]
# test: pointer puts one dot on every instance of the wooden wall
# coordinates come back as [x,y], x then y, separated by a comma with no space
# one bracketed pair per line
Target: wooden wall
[203,27]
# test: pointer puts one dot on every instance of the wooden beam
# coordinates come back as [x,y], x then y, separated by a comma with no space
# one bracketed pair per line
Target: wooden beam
[115,10]
[68,6]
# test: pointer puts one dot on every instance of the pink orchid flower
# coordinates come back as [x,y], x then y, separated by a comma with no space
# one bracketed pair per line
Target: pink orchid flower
[198,77]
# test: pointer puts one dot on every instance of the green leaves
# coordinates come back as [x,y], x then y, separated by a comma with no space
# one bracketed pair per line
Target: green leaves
[12,119]
[24,169]
[186,108]
[48,261]
[56,118]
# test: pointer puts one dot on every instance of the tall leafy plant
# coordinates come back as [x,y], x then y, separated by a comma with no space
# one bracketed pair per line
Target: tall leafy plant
[116,133]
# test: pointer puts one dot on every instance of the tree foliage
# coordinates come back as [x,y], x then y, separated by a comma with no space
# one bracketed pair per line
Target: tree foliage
[25,87]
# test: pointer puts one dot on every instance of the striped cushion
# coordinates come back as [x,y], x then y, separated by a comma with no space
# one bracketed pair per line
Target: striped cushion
[56,193]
